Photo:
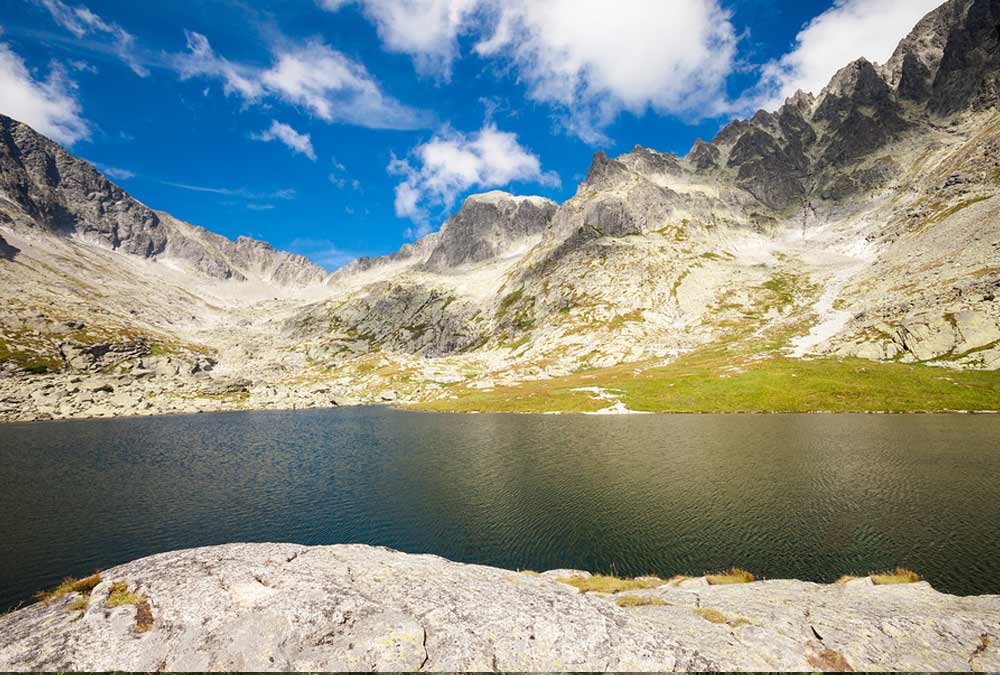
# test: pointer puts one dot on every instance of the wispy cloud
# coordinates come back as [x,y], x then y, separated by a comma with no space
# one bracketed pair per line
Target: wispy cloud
[300,143]
[286,193]
[338,176]
[311,76]
[82,22]
[114,172]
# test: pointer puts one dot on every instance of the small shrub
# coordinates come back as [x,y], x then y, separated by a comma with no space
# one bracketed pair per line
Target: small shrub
[639,601]
[734,575]
[607,584]
[70,585]
[899,575]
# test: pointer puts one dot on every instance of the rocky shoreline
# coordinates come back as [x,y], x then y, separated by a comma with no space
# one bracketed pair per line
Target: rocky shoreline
[267,607]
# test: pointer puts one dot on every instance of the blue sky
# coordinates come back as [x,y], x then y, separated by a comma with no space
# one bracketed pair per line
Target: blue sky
[337,128]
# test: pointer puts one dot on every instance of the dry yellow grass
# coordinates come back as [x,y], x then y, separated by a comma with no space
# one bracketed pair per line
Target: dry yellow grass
[607,584]
[69,585]
[899,575]
[676,579]
[734,575]
[79,604]
[639,601]
[844,579]
[715,616]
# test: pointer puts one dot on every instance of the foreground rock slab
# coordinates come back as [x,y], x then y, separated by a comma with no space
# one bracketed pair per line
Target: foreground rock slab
[351,607]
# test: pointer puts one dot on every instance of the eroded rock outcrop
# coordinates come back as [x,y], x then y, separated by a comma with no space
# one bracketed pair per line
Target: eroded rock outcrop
[287,607]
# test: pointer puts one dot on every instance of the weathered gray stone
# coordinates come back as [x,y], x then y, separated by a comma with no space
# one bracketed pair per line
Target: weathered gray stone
[290,607]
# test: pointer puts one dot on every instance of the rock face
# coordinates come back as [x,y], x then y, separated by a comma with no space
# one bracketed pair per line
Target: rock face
[859,221]
[486,227]
[43,186]
[266,607]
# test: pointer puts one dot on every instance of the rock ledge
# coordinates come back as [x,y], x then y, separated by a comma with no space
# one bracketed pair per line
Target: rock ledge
[351,607]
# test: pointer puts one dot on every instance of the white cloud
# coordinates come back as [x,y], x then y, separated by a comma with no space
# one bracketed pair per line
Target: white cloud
[300,143]
[425,29]
[845,32]
[337,177]
[49,106]
[452,163]
[82,22]
[313,76]
[589,59]
[202,61]
[114,172]
[592,59]
[284,193]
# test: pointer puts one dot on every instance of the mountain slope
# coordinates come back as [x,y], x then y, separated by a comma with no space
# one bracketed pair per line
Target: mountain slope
[756,272]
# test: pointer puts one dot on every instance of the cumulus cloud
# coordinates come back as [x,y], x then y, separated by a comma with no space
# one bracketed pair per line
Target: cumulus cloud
[49,106]
[452,163]
[300,143]
[589,59]
[848,30]
[427,30]
[312,76]
[82,22]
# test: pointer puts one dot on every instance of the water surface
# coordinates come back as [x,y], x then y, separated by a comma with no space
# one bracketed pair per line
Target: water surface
[804,496]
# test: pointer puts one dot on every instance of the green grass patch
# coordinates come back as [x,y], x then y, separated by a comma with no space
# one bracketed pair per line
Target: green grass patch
[603,583]
[717,380]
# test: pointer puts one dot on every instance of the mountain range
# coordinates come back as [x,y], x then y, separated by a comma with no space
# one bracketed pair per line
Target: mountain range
[840,253]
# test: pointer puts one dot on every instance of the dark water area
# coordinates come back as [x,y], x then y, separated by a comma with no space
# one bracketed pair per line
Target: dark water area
[785,496]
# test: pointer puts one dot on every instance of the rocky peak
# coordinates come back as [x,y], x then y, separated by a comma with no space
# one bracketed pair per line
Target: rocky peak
[55,191]
[47,188]
[648,161]
[704,155]
[486,226]
[968,75]
[858,83]
[802,101]
[605,172]
[914,64]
